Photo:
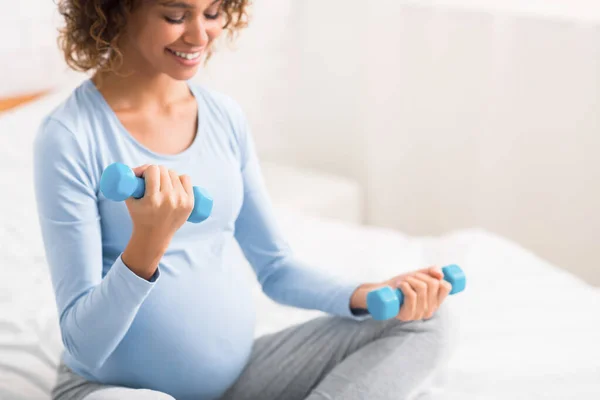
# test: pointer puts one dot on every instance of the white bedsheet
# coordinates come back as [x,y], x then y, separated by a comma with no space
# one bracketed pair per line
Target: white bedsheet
[523,328]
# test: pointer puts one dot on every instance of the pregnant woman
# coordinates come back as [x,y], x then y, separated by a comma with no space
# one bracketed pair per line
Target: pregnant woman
[149,306]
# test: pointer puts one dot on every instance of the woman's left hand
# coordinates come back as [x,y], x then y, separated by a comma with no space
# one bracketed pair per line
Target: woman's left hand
[424,291]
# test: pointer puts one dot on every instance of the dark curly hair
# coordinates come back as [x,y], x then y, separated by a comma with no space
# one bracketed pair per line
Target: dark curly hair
[89,38]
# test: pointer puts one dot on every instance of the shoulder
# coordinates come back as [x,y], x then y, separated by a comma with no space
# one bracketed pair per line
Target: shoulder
[221,107]
[66,125]
[65,134]
[217,101]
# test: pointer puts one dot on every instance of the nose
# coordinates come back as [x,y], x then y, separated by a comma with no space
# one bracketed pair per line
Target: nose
[196,34]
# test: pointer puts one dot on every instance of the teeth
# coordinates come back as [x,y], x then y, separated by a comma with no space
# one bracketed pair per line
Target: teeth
[187,56]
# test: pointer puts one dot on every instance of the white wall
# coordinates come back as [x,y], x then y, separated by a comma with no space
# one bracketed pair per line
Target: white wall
[487,121]
[582,10]
[30,58]
[256,71]
[453,118]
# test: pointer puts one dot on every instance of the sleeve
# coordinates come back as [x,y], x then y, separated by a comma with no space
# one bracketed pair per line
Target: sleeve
[95,313]
[283,278]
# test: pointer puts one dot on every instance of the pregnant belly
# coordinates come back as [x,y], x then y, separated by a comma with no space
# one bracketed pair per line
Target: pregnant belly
[191,338]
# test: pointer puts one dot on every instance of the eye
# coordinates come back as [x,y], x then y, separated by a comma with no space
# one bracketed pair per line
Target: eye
[212,16]
[175,20]
[213,12]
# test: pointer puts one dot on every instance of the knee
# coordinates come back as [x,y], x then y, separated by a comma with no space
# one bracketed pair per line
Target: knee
[146,394]
[441,328]
[115,393]
[437,333]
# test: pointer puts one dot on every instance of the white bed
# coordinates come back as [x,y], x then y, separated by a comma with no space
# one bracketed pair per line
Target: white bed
[524,329]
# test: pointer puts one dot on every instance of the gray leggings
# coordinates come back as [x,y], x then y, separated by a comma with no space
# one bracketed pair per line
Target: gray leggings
[327,358]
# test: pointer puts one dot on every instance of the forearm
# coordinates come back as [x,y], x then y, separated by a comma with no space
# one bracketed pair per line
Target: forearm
[294,284]
[96,315]
[283,278]
[143,253]
[95,324]
[97,320]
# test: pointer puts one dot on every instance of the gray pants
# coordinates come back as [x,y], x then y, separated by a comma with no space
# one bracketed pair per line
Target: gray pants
[326,358]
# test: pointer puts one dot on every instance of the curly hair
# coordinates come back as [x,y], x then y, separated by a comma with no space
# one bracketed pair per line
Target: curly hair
[89,38]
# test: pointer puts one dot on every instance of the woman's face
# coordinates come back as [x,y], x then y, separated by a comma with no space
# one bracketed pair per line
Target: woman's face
[171,36]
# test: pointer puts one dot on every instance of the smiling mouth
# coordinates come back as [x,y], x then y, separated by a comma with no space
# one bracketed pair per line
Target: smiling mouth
[185,56]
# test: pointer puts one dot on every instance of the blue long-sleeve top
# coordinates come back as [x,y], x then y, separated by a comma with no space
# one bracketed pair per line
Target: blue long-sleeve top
[188,330]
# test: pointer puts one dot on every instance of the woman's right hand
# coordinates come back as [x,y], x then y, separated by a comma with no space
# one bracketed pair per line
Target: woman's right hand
[167,203]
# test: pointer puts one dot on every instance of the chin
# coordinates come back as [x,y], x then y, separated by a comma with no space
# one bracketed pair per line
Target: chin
[182,75]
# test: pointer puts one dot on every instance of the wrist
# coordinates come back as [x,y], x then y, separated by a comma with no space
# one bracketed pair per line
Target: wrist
[143,253]
[358,300]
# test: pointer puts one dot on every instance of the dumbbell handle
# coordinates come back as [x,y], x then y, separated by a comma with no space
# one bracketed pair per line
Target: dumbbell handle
[140,188]
[384,303]
[118,182]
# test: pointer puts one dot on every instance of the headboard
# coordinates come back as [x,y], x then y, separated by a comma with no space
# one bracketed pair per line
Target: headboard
[31,62]
[8,103]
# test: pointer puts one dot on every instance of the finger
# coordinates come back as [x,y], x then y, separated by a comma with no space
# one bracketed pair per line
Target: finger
[407,310]
[139,171]
[175,182]
[186,182]
[165,180]
[433,286]
[435,272]
[445,288]
[420,288]
[152,177]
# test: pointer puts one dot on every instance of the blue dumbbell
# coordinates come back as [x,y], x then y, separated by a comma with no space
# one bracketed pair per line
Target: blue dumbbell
[384,303]
[118,183]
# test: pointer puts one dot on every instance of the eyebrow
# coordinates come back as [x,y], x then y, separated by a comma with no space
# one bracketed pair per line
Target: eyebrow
[181,4]
[177,4]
